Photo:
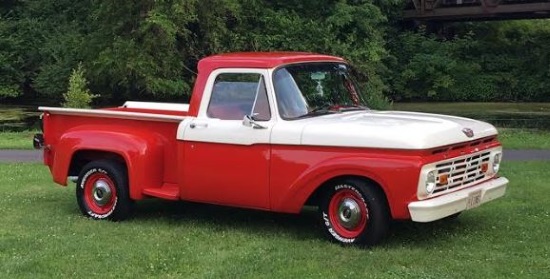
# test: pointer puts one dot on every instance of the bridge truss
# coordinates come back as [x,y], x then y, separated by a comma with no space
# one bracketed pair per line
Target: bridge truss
[457,10]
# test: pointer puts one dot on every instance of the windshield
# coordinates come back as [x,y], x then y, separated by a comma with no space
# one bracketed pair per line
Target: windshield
[306,90]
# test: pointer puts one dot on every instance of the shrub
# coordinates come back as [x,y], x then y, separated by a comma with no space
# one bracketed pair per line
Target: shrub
[78,95]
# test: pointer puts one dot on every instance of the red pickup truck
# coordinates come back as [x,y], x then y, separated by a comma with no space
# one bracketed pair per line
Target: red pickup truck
[276,132]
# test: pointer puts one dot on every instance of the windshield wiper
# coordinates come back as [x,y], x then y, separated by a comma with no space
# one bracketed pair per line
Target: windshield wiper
[322,110]
[330,109]
[338,108]
[352,108]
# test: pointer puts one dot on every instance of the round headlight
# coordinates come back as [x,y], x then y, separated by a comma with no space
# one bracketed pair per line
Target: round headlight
[430,182]
[496,162]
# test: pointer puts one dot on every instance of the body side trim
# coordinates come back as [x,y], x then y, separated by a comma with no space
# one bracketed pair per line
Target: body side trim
[113,114]
[156,105]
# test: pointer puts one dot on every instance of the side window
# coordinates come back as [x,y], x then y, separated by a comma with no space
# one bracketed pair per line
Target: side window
[235,95]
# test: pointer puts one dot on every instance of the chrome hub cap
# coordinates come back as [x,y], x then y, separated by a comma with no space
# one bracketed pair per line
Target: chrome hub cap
[349,213]
[101,192]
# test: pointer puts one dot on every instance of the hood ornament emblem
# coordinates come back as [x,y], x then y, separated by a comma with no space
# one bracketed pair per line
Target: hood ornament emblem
[468,132]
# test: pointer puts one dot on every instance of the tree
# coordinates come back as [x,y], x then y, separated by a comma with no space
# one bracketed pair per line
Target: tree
[10,77]
[78,95]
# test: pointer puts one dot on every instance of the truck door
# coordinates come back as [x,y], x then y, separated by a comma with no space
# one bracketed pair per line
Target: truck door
[227,147]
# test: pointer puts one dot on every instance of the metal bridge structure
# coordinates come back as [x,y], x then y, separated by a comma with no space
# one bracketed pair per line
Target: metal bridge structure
[471,10]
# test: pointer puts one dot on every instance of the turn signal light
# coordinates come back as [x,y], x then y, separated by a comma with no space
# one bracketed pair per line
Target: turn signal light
[484,167]
[444,179]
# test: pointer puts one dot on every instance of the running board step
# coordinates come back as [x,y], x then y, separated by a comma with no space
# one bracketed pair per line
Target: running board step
[167,191]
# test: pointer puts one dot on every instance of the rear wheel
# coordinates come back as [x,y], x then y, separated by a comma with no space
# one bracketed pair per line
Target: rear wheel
[102,191]
[354,212]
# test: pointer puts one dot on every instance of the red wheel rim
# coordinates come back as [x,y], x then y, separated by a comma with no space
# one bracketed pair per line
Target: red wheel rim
[348,213]
[100,193]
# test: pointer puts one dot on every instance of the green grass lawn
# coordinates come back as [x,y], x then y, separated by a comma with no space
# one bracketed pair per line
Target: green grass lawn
[17,140]
[512,138]
[42,234]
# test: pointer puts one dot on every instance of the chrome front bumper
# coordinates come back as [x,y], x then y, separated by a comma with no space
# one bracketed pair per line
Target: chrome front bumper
[440,207]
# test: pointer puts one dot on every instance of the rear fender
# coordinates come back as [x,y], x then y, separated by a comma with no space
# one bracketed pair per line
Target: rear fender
[142,153]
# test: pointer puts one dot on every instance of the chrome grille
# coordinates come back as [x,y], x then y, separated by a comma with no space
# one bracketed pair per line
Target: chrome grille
[462,171]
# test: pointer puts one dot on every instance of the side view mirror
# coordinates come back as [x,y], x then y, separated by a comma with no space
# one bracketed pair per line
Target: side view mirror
[248,121]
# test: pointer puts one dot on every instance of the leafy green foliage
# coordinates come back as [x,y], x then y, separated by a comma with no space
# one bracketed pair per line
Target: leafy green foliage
[149,49]
[505,61]
[11,77]
[137,47]
[428,67]
[143,49]
[78,95]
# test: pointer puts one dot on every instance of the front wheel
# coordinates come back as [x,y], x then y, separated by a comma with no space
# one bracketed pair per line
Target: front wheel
[102,191]
[354,212]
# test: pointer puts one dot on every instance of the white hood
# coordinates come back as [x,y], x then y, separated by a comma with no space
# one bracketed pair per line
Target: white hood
[387,129]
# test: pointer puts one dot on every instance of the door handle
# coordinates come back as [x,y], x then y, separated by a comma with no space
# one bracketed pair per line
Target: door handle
[198,125]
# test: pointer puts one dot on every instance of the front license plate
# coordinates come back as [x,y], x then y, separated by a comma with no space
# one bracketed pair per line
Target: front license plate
[474,199]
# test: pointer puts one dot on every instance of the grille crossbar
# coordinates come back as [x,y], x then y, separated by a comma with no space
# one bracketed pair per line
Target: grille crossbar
[461,172]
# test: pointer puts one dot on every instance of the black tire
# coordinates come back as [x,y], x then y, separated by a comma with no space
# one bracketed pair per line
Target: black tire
[354,213]
[102,191]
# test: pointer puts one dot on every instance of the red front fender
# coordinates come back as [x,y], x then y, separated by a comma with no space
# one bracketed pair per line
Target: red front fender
[396,177]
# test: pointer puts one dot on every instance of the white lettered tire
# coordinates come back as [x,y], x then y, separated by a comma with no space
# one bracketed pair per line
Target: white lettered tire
[354,212]
[102,191]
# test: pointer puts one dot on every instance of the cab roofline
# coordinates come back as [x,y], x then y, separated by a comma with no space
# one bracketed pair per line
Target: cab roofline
[264,60]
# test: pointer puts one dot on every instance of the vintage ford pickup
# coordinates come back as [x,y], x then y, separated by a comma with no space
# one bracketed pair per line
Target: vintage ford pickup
[276,132]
